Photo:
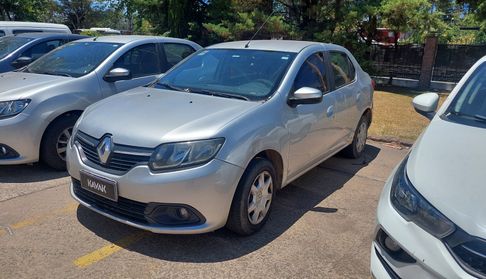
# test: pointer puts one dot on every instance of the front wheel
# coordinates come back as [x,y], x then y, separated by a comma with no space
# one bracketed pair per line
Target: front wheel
[55,141]
[357,147]
[253,198]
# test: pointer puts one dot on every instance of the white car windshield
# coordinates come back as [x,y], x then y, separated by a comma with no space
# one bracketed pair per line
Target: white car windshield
[243,74]
[469,106]
[74,59]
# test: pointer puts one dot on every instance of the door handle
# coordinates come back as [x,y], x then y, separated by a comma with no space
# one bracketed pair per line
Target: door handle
[330,111]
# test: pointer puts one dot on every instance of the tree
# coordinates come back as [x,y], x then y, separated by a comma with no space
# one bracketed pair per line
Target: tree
[76,12]
[26,10]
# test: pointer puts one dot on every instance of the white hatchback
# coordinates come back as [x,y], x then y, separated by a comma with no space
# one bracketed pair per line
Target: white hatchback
[432,212]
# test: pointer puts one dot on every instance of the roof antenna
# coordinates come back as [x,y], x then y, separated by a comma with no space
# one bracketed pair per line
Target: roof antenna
[261,26]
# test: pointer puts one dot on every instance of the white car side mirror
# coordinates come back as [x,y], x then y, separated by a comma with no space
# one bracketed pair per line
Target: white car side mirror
[426,104]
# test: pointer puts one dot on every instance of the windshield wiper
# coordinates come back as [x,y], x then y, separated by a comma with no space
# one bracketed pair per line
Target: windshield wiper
[172,87]
[477,117]
[56,74]
[480,117]
[218,94]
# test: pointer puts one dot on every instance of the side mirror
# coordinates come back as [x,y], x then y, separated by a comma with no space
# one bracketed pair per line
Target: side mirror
[305,95]
[22,61]
[117,74]
[426,104]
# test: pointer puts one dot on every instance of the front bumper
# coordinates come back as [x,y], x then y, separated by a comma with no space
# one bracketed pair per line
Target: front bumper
[432,258]
[23,135]
[209,189]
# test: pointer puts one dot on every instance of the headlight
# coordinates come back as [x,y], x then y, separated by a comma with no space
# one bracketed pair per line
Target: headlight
[12,108]
[415,208]
[184,154]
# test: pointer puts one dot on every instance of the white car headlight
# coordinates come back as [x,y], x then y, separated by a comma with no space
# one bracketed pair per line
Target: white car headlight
[12,108]
[184,154]
[415,208]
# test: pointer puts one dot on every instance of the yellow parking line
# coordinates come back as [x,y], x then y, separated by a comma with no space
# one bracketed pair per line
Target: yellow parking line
[71,207]
[108,250]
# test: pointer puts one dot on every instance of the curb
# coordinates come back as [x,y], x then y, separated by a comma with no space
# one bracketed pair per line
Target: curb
[391,140]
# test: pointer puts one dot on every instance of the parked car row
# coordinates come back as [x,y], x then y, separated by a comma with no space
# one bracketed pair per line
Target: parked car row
[162,135]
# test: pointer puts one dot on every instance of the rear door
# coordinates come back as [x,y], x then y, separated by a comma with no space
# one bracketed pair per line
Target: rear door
[343,78]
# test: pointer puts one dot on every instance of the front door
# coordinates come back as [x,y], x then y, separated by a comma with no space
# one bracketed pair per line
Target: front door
[311,127]
[142,62]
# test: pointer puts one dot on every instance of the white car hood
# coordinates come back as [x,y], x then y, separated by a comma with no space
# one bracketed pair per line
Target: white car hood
[448,167]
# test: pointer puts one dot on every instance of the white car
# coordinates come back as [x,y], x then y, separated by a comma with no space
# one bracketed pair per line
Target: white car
[432,212]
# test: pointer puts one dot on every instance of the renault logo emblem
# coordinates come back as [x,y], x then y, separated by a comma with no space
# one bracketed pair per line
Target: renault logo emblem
[104,149]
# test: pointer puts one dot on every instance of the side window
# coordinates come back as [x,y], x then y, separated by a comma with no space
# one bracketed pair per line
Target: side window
[140,61]
[312,74]
[2,33]
[342,68]
[174,53]
[20,31]
[41,49]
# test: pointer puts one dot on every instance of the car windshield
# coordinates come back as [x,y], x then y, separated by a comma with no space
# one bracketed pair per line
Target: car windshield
[469,106]
[243,74]
[74,59]
[10,43]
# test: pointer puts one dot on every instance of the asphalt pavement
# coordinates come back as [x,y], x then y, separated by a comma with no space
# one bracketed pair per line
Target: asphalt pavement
[321,226]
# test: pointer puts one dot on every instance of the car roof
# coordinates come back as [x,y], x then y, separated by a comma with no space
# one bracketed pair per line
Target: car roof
[39,35]
[32,24]
[123,39]
[272,45]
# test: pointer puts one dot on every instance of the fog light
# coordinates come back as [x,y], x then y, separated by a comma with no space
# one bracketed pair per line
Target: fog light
[392,244]
[183,213]
[173,214]
[7,153]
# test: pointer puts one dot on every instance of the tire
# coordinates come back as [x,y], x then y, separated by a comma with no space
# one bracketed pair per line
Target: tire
[358,146]
[241,220]
[57,133]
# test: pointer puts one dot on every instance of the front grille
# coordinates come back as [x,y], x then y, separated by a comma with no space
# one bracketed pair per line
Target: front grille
[125,208]
[469,251]
[123,158]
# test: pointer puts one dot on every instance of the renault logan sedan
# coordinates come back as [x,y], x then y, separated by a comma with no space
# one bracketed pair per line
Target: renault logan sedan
[211,142]
[432,212]
[40,104]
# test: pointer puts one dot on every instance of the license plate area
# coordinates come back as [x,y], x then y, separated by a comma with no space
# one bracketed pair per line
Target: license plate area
[101,186]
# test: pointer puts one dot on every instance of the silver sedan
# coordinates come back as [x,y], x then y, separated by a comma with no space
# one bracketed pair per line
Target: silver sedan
[40,103]
[211,142]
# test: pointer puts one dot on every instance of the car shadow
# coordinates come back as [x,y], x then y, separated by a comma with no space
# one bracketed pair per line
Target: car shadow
[29,173]
[291,203]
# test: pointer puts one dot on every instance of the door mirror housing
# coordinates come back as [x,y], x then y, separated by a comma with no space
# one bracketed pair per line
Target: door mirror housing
[117,74]
[426,104]
[22,61]
[305,95]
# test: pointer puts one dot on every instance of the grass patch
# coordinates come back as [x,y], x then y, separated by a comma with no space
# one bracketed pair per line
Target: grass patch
[394,117]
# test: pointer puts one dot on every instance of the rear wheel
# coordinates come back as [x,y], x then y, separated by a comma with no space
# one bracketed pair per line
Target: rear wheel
[357,147]
[55,141]
[253,198]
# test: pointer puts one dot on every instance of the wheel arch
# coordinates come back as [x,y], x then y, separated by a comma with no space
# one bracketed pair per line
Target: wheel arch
[277,161]
[65,114]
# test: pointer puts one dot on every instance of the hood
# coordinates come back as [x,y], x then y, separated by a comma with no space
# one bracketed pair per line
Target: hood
[18,85]
[148,117]
[447,166]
